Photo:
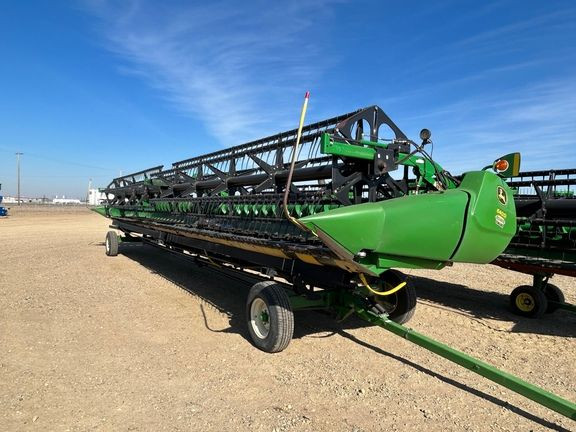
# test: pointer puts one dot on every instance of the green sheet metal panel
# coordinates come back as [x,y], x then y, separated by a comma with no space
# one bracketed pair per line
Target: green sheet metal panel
[491,219]
[425,226]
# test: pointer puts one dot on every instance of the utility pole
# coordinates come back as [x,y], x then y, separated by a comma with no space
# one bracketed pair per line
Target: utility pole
[88,195]
[18,154]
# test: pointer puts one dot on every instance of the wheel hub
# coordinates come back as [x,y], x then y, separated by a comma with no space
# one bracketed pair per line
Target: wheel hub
[525,302]
[260,318]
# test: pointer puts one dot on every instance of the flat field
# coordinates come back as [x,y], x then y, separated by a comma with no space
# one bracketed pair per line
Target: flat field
[147,341]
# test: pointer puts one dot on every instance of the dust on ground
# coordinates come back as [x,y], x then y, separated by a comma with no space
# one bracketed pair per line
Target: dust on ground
[148,341]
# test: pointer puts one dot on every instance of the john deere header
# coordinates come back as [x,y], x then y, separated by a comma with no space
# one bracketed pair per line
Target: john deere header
[367,199]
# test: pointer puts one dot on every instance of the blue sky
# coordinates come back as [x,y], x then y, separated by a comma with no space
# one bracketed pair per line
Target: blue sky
[92,88]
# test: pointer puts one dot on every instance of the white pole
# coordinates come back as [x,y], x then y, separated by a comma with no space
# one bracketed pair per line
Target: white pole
[18,154]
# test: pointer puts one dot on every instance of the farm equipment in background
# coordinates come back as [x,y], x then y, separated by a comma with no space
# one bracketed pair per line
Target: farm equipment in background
[316,212]
[545,243]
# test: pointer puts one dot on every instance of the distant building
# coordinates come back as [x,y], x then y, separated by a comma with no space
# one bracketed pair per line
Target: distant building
[95,197]
[66,201]
[11,200]
[41,200]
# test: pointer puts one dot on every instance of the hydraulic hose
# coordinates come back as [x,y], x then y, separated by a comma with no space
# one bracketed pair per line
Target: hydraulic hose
[381,293]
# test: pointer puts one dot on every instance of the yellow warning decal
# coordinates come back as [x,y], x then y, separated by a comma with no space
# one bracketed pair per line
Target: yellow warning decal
[501,213]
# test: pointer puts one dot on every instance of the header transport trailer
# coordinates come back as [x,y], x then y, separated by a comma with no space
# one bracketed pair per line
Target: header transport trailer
[317,213]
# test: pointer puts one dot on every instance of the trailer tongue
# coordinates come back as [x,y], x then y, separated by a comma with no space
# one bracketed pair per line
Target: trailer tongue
[328,217]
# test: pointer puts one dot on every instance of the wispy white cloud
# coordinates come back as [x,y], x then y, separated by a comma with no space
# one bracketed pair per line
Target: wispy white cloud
[450,87]
[518,32]
[498,88]
[240,70]
[538,40]
[538,120]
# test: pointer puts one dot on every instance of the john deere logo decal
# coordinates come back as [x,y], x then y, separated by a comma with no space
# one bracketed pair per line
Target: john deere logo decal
[502,197]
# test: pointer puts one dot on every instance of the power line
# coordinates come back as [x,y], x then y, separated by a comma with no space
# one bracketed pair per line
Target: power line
[57,160]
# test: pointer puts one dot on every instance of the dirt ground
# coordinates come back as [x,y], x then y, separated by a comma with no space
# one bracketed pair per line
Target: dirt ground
[147,341]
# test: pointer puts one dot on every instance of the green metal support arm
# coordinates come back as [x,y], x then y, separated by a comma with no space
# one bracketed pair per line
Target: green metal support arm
[535,393]
[366,150]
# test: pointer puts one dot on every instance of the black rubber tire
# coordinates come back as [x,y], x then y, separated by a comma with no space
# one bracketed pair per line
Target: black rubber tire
[401,305]
[280,317]
[528,301]
[553,294]
[111,243]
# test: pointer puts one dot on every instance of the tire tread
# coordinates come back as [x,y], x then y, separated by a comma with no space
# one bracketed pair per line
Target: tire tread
[112,238]
[279,305]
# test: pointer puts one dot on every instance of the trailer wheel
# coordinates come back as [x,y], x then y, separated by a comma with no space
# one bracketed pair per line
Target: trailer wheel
[528,301]
[553,294]
[401,305]
[269,316]
[111,243]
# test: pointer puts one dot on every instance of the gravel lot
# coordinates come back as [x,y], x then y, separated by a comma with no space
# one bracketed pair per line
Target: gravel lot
[146,341]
